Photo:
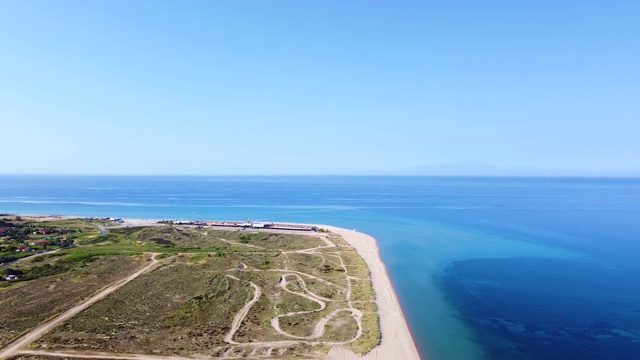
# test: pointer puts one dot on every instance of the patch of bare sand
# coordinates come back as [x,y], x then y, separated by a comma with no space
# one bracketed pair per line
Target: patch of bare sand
[42,217]
[139,222]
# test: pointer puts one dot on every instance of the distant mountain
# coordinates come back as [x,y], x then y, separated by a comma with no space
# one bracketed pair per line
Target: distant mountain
[473,169]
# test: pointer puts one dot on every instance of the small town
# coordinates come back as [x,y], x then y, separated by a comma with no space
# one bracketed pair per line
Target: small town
[20,239]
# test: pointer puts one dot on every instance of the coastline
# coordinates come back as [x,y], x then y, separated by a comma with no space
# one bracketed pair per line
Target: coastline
[396,338]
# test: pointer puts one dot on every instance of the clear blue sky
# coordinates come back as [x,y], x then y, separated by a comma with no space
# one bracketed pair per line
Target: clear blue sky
[317,87]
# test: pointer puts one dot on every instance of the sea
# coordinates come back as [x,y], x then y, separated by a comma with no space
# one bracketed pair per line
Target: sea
[485,267]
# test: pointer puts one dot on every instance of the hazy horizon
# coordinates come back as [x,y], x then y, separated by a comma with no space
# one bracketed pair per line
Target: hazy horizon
[435,170]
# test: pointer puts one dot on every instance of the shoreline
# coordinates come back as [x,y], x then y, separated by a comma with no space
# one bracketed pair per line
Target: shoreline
[396,341]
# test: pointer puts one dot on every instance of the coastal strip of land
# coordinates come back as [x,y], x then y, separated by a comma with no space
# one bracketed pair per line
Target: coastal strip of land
[396,338]
[397,341]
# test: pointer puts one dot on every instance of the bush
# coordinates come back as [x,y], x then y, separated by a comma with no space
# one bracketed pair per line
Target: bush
[245,238]
[11,271]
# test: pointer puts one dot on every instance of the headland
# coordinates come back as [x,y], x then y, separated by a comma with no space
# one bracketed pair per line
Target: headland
[333,295]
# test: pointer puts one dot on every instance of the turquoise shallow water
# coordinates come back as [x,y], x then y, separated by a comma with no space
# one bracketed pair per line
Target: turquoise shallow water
[499,268]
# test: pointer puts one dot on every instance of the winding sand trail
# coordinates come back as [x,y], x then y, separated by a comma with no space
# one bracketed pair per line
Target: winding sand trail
[237,320]
[320,326]
[43,328]
[304,287]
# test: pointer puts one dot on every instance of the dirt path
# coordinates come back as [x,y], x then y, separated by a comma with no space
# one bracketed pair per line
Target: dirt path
[43,328]
[303,274]
[304,287]
[320,326]
[36,255]
[99,355]
[319,329]
[237,320]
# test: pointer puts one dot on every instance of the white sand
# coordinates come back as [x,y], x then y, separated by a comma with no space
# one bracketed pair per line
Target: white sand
[43,217]
[139,222]
[397,342]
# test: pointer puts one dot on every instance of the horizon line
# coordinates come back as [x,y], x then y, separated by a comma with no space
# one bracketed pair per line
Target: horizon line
[332,175]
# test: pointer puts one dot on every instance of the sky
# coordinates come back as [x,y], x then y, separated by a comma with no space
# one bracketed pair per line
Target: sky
[317,87]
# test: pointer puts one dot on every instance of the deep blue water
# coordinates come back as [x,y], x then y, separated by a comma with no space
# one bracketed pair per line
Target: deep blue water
[495,268]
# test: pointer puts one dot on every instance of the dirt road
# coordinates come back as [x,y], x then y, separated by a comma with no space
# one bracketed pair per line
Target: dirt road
[43,328]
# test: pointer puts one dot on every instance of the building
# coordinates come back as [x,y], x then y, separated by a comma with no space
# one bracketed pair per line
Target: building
[39,242]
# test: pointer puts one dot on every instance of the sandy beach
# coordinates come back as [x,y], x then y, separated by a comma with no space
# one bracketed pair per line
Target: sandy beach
[396,342]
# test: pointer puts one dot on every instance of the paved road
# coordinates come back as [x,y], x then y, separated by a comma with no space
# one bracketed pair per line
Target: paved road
[103,230]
